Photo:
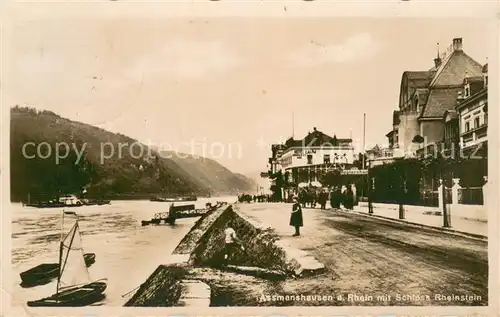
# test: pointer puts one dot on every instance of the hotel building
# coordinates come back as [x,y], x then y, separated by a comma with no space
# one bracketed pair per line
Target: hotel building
[303,162]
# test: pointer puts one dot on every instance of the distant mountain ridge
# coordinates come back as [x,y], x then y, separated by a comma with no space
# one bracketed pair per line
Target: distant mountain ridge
[210,174]
[125,174]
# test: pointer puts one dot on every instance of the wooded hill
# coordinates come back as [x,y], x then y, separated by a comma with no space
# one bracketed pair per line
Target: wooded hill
[120,175]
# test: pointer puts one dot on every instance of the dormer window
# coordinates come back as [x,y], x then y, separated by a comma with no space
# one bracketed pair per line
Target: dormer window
[485,80]
[467,91]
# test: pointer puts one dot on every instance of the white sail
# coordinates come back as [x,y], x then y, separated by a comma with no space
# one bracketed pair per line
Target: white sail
[72,271]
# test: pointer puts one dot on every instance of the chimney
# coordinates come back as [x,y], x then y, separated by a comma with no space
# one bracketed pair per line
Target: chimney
[457,44]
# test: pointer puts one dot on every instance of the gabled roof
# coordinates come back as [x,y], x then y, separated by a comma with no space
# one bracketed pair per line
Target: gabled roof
[439,101]
[454,68]
[419,79]
[450,115]
[317,138]
[485,68]
[374,149]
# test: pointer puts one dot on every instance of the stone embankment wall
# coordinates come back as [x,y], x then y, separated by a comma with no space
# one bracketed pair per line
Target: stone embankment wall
[162,288]
[203,247]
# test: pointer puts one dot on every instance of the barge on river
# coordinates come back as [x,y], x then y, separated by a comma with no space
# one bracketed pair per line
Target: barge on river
[174,199]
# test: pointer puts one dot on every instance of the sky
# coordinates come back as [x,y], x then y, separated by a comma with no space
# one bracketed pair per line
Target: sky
[227,88]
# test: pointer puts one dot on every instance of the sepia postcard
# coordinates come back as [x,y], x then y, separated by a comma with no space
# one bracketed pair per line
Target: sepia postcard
[292,159]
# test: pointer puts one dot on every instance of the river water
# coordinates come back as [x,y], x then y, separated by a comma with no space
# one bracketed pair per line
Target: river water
[126,252]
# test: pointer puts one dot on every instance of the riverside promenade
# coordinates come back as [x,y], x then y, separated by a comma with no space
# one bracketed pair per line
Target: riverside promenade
[366,255]
[416,215]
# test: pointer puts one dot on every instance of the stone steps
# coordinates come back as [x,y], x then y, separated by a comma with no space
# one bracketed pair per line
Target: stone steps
[194,293]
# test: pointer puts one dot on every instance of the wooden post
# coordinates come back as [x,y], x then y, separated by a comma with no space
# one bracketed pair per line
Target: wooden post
[440,194]
[446,214]
[401,211]
[454,193]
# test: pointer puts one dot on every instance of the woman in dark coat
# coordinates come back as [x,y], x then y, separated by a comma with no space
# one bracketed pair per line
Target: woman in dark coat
[296,217]
[332,198]
[349,198]
[337,198]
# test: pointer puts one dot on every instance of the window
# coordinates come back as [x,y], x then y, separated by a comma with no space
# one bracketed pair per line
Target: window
[467,91]
[467,126]
[486,80]
[476,122]
[326,159]
[309,159]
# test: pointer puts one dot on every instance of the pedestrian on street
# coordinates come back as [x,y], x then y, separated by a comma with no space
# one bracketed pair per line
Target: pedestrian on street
[348,198]
[296,217]
[337,198]
[323,197]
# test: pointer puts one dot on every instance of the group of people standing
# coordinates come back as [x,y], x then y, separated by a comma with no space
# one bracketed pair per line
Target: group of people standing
[347,198]
[255,198]
[338,195]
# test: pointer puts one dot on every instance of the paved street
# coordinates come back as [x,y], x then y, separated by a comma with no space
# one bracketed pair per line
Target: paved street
[371,257]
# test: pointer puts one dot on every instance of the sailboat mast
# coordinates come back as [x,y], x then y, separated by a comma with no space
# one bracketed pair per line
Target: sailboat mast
[60,264]
[60,252]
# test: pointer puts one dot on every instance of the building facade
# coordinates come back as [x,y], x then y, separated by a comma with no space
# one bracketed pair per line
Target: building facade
[472,110]
[427,100]
[303,162]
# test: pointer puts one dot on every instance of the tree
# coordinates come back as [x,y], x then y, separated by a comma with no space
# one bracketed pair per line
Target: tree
[331,178]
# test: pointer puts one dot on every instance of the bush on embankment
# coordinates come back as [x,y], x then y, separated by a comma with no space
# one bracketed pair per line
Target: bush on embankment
[260,250]
[205,244]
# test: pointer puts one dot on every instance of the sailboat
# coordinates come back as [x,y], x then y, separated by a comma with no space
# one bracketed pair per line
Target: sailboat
[46,272]
[74,286]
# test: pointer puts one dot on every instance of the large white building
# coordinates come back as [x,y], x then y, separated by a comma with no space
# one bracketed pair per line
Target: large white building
[304,161]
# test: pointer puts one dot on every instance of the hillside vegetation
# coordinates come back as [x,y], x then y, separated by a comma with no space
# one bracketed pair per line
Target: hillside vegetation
[91,165]
[210,174]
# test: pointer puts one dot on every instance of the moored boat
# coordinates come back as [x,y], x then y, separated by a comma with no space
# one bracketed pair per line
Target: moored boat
[65,201]
[174,199]
[74,286]
[46,272]
[78,296]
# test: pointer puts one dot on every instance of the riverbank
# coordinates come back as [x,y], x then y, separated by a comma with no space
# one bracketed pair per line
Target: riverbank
[113,232]
[263,261]
[274,270]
